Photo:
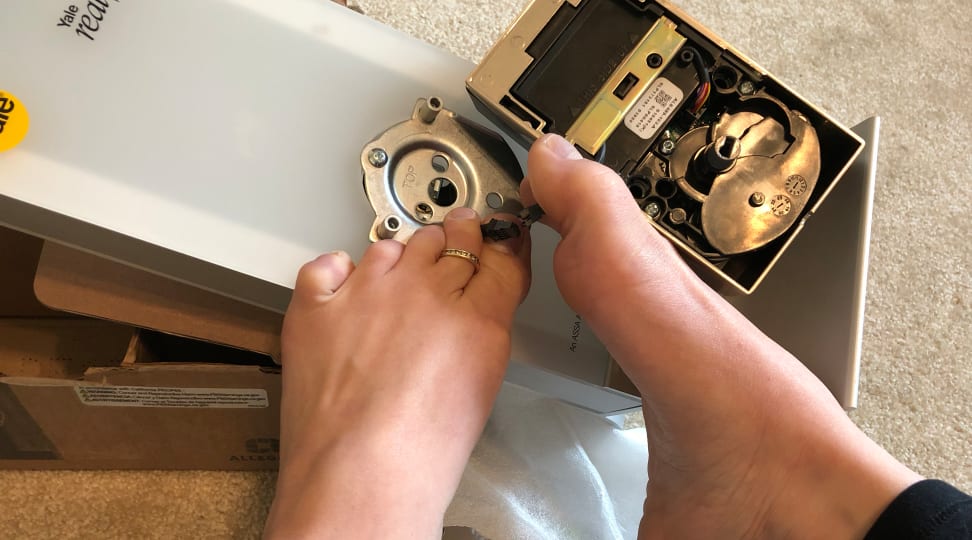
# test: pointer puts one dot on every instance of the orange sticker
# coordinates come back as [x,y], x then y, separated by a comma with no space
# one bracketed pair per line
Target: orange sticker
[13,121]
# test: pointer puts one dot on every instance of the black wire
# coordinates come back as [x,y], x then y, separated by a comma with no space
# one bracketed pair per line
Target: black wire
[699,65]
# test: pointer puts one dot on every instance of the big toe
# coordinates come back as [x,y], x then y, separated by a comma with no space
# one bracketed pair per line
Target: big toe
[574,191]
[322,277]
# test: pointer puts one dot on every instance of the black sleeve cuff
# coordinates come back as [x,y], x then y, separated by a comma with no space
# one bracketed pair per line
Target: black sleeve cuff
[930,509]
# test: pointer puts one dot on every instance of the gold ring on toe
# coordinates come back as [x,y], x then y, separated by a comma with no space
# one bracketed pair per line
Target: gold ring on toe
[462,254]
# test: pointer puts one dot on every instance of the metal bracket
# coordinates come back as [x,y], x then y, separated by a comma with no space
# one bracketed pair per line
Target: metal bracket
[419,170]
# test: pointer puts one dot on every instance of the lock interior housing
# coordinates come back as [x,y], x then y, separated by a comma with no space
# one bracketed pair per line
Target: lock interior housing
[725,160]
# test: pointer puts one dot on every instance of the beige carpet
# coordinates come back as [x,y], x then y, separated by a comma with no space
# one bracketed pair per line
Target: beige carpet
[906,61]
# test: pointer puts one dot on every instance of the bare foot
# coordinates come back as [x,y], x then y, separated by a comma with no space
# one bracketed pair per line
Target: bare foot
[743,440]
[390,370]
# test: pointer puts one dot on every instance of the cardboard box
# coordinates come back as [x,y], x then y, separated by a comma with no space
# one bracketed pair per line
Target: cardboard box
[74,281]
[19,254]
[82,387]
[80,393]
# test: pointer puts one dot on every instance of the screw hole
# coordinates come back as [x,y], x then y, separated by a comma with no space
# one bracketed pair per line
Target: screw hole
[665,188]
[639,189]
[725,78]
[435,102]
[440,163]
[655,60]
[392,223]
[494,200]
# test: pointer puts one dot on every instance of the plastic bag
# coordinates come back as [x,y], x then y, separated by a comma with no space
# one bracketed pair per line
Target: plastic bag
[546,470]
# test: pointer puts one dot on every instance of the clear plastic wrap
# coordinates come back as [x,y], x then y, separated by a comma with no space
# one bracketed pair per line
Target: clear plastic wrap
[543,469]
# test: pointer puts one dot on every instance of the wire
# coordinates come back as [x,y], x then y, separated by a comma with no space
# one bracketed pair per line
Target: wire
[702,95]
[705,86]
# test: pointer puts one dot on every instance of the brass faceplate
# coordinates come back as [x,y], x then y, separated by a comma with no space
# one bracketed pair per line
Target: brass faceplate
[606,111]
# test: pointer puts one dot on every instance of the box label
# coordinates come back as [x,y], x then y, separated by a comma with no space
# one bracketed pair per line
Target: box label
[653,108]
[172,398]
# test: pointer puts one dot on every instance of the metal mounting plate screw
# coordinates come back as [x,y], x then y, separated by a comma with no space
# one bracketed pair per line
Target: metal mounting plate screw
[757,199]
[653,209]
[678,216]
[424,212]
[667,146]
[378,157]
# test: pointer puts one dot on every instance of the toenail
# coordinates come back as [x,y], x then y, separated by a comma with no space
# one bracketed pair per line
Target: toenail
[331,257]
[560,146]
[340,254]
[462,213]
